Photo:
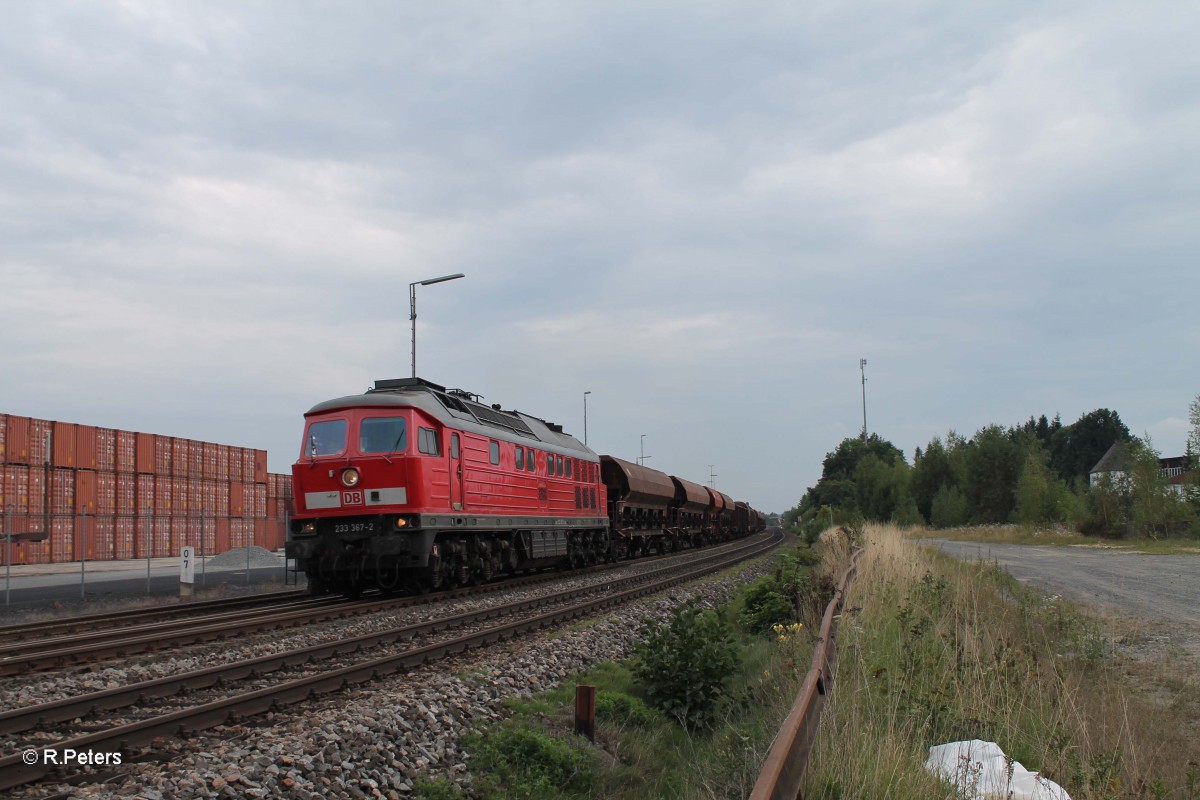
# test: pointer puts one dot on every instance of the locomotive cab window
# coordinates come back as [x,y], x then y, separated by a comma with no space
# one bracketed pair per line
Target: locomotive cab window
[495,452]
[427,442]
[568,467]
[558,468]
[383,435]
[530,462]
[326,438]
[520,457]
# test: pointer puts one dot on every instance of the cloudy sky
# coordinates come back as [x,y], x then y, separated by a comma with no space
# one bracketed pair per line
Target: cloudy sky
[703,213]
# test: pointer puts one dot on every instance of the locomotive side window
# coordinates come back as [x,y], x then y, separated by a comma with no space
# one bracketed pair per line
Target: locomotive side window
[495,452]
[568,467]
[454,445]
[520,457]
[326,438]
[427,442]
[531,462]
[558,469]
[383,435]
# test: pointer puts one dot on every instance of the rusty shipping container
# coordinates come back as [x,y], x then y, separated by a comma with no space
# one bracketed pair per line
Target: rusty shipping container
[179,457]
[85,447]
[95,537]
[221,531]
[63,438]
[147,487]
[164,455]
[247,465]
[195,497]
[3,438]
[124,538]
[138,452]
[260,466]
[106,450]
[209,458]
[162,536]
[222,463]
[86,491]
[62,539]
[179,497]
[126,492]
[106,493]
[195,459]
[62,491]
[179,529]
[260,501]
[235,464]
[163,495]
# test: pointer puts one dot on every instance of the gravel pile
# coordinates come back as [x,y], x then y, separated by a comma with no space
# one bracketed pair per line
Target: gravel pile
[375,742]
[236,559]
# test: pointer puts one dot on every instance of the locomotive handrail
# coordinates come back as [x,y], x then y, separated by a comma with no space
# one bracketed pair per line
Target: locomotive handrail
[783,770]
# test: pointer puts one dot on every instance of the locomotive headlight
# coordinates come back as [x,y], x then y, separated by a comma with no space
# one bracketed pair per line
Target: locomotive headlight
[401,522]
[350,477]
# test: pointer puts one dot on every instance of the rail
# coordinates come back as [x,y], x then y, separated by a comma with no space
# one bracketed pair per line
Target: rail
[783,770]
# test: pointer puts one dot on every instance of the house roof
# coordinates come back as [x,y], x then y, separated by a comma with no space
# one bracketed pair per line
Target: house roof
[1115,459]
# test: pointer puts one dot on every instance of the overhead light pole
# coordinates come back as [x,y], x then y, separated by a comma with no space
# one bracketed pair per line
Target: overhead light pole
[412,309]
[711,475]
[862,367]
[585,394]
[642,458]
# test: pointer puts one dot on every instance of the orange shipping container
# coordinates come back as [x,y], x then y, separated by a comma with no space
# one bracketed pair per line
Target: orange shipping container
[179,497]
[62,491]
[106,493]
[86,490]
[164,454]
[179,458]
[127,448]
[260,466]
[195,459]
[106,450]
[147,531]
[3,438]
[237,499]
[179,530]
[94,536]
[222,462]
[237,533]
[62,539]
[209,454]
[163,495]
[125,537]
[162,537]
[85,447]
[64,444]
[260,501]
[16,440]
[247,465]
[137,452]
[24,489]
[221,543]
[126,492]
[146,494]
[235,464]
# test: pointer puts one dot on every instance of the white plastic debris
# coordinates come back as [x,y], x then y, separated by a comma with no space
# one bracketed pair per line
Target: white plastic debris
[979,770]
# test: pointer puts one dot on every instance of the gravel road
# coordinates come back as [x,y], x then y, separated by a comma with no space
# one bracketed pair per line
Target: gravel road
[1161,590]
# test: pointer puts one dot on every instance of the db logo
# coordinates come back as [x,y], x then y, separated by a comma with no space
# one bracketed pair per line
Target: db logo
[352,498]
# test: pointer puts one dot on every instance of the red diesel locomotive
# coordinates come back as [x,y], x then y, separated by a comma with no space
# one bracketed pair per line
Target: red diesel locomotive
[411,486]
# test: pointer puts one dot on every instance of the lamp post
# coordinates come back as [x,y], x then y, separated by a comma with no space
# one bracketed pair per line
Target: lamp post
[711,475]
[642,449]
[412,309]
[585,394]
[862,367]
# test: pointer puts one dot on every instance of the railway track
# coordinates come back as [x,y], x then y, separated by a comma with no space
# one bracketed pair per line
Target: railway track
[29,631]
[346,669]
[94,647]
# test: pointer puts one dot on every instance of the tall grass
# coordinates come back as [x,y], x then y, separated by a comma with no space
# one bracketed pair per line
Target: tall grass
[933,650]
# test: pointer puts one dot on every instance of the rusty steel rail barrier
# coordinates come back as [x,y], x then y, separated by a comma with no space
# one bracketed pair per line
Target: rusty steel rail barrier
[784,768]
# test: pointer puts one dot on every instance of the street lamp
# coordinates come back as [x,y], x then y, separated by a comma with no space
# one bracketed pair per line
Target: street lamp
[642,449]
[585,394]
[862,367]
[412,309]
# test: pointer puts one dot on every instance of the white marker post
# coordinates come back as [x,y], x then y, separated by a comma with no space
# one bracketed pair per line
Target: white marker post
[187,571]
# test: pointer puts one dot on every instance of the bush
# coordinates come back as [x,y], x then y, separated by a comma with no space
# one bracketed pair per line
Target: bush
[763,605]
[521,762]
[622,708]
[684,665]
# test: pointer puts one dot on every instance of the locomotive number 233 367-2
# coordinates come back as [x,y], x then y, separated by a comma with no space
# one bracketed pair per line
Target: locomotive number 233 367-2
[354,527]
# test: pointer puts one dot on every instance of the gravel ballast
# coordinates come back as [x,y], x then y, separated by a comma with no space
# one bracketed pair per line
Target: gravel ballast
[375,741]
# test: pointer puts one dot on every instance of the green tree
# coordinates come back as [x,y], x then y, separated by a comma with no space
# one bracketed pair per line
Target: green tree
[931,471]
[994,464]
[949,508]
[1037,493]
[1076,448]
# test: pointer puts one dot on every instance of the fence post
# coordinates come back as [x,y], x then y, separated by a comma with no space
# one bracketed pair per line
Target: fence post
[83,558]
[585,712]
[7,555]
[149,549]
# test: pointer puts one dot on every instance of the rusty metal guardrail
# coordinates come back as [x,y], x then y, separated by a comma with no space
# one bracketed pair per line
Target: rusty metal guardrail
[784,768]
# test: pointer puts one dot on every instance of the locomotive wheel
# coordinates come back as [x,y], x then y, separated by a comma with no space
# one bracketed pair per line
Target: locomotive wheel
[388,575]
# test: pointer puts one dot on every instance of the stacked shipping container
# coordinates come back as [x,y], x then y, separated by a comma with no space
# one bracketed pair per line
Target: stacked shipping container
[75,490]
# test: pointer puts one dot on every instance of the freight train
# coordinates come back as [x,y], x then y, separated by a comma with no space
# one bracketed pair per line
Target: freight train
[410,487]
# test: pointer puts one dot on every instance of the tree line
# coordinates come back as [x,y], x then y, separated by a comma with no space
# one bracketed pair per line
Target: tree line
[1034,474]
